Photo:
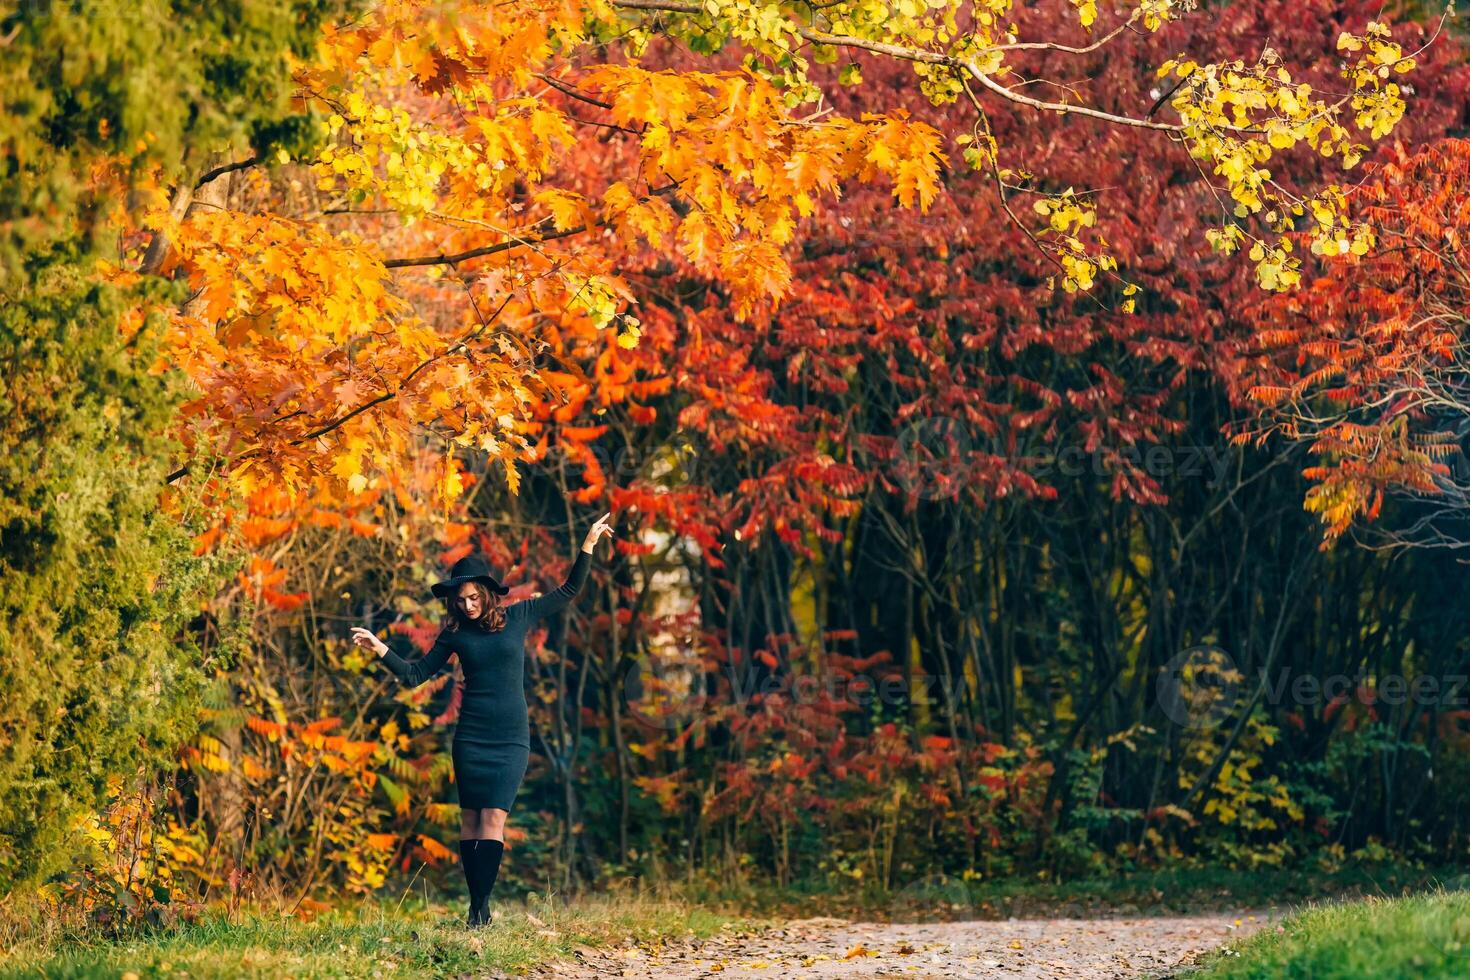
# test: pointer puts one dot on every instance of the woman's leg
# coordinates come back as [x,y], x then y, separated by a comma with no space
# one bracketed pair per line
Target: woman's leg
[492,823]
[492,845]
[471,860]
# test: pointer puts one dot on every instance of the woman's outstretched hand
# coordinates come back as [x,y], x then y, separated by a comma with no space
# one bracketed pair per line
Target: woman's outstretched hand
[596,531]
[365,637]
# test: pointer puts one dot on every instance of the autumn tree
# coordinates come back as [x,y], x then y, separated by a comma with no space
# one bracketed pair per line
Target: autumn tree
[1367,362]
[450,174]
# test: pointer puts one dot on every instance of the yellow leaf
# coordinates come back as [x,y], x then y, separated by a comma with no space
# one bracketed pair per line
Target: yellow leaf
[568,210]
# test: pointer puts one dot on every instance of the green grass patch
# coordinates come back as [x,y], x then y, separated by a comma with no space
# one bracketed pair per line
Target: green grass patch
[373,939]
[1426,937]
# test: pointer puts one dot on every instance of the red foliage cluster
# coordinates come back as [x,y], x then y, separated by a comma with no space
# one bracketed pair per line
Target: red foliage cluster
[1369,359]
[930,355]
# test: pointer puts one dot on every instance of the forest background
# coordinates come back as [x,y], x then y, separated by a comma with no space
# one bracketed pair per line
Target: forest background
[979,520]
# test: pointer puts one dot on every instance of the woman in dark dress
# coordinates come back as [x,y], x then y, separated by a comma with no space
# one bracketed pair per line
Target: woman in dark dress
[492,740]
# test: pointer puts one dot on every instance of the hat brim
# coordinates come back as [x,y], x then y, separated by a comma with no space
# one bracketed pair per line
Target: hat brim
[443,589]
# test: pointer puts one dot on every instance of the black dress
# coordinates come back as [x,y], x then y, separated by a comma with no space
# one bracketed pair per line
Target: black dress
[492,741]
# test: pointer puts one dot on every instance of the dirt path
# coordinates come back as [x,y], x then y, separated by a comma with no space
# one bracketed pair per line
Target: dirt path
[1078,949]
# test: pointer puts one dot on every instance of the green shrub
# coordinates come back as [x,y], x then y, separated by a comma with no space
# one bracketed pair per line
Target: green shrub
[96,583]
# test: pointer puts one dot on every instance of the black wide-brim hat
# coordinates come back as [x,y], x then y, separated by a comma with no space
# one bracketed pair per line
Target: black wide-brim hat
[470,568]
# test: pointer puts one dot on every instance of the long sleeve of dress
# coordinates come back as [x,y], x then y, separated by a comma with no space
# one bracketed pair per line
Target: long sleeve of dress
[416,672]
[557,599]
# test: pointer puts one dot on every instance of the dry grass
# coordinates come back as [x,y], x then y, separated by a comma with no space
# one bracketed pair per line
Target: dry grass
[389,938]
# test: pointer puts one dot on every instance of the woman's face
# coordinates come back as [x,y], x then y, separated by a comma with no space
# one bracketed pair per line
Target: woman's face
[469,600]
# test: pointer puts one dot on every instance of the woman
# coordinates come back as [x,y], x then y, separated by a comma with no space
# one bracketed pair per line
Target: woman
[492,740]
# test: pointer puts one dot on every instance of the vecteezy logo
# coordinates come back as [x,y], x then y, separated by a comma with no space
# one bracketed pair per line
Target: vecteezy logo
[1199,687]
[1181,211]
[664,693]
[936,896]
[933,453]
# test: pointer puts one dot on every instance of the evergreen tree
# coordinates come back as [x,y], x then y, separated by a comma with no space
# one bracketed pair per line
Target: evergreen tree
[97,584]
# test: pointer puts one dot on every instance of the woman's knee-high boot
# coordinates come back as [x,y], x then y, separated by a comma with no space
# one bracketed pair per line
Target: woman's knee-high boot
[470,855]
[488,856]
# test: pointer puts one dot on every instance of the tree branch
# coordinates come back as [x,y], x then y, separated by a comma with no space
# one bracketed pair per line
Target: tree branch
[506,246]
[158,246]
[227,168]
[1062,108]
[476,253]
[937,58]
[568,90]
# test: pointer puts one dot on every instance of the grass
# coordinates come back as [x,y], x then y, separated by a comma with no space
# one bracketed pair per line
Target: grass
[1426,937]
[1411,936]
[375,939]
[1167,891]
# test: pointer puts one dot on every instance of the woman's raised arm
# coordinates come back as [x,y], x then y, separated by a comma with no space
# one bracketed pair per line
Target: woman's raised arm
[557,599]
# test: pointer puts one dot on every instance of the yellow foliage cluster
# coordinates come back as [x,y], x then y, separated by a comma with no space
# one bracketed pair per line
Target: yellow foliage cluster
[135,850]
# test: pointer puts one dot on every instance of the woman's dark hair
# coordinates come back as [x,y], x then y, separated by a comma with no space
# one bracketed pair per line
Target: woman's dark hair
[492,619]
